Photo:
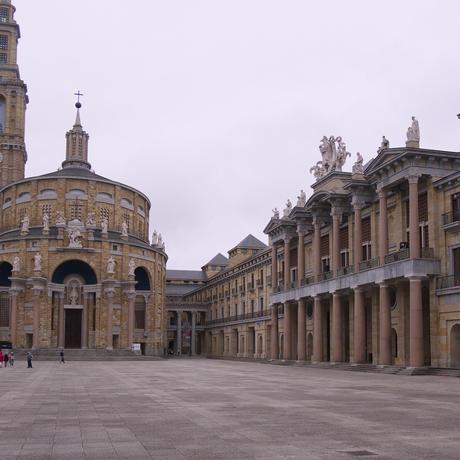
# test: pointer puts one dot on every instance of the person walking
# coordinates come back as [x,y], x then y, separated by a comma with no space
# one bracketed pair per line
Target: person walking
[1,358]
[29,360]
[5,359]
[11,361]
[61,354]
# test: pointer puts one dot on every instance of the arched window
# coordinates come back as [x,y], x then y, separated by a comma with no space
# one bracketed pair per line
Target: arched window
[5,273]
[142,279]
[139,313]
[47,194]
[76,193]
[126,203]
[104,197]
[23,197]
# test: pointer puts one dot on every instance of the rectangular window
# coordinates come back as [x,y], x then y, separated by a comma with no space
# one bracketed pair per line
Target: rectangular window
[367,251]
[75,211]
[139,314]
[344,258]
[46,209]
[3,42]
[3,58]
[4,310]
[4,15]
[456,207]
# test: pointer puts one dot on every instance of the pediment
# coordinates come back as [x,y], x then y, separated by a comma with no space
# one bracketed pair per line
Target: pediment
[383,157]
[334,182]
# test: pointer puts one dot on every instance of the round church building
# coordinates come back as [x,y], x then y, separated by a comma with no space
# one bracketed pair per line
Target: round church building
[77,269]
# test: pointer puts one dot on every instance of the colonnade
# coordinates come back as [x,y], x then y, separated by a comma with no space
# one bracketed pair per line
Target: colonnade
[415,283]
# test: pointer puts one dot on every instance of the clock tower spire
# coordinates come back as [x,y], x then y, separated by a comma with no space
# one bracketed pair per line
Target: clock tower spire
[13,100]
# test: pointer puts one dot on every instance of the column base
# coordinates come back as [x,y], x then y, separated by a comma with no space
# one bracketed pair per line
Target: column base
[109,348]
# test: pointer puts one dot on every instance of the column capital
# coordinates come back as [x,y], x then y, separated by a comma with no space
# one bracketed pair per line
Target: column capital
[357,205]
[382,192]
[413,178]
[337,211]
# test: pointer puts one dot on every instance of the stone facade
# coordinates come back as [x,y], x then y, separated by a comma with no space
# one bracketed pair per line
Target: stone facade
[76,266]
[367,270]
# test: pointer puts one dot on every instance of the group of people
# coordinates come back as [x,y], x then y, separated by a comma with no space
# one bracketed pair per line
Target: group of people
[6,359]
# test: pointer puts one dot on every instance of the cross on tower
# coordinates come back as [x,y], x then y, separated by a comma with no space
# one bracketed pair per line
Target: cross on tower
[78,94]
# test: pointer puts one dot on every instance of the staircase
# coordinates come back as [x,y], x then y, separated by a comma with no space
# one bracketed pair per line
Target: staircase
[89,354]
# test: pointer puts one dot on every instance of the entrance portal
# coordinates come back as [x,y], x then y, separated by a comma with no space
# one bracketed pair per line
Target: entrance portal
[73,328]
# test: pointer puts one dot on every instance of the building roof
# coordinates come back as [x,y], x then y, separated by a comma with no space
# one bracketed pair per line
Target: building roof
[219,259]
[185,275]
[250,242]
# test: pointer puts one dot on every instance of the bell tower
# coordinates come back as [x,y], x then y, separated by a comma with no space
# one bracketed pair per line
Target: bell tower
[13,100]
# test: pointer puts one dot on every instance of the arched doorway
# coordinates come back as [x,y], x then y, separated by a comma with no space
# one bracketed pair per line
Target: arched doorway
[455,346]
[394,345]
[5,274]
[6,271]
[74,275]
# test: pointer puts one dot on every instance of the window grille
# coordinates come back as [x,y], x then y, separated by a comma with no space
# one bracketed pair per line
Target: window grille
[3,58]
[104,213]
[4,310]
[3,42]
[75,211]
[4,15]
[46,209]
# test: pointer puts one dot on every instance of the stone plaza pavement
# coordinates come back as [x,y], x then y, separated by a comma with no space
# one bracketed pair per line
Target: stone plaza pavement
[209,409]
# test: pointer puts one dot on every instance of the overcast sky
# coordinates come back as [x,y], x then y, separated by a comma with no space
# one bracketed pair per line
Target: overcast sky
[215,109]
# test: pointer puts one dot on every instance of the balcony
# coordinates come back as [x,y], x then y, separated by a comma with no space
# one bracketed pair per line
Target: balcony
[242,317]
[451,220]
[397,256]
[325,276]
[308,280]
[448,281]
[227,294]
[348,270]
[242,289]
[368,264]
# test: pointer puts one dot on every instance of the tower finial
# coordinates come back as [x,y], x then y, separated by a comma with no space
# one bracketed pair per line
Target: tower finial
[78,106]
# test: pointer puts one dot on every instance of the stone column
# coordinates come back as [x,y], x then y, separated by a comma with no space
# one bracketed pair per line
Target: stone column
[287,268]
[179,332]
[316,248]
[301,258]
[335,262]
[357,237]
[317,330]
[131,299]
[416,348]
[84,321]
[109,325]
[337,329]
[287,332]
[414,232]
[14,315]
[193,337]
[36,318]
[61,328]
[301,330]
[274,267]
[385,325]
[383,226]
[359,328]
[274,333]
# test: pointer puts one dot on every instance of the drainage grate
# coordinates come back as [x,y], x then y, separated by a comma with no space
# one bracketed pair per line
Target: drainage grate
[359,453]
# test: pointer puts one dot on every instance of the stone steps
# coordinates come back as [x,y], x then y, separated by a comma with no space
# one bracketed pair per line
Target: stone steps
[90,354]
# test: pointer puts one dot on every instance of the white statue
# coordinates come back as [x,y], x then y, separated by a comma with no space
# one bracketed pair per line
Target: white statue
[104,225]
[38,262]
[276,213]
[341,155]
[334,154]
[111,266]
[413,132]
[358,167]
[16,264]
[91,219]
[75,238]
[25,224]
[73,296]
[154,238]
[60,219]
[124,228]
[287,210]
[46,222]
[302,199]
[131,267]
[160,240]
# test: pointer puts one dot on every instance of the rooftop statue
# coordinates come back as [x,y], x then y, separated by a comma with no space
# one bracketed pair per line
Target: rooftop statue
[333,153]
[385,144]
[276,213]
[413,132]
[358,167]
[287,209]
[302,199]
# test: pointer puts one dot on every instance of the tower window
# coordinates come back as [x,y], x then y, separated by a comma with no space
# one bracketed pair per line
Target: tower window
[3,58]
[46,209]
[4,14]
[104,214]
[3,42]
[126,219]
